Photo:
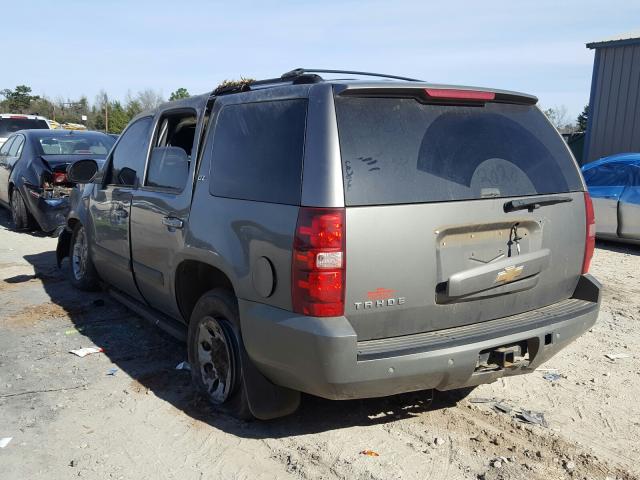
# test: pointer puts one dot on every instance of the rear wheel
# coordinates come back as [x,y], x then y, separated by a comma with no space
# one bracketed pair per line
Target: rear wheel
[19,212]
[214,344]
[82,273]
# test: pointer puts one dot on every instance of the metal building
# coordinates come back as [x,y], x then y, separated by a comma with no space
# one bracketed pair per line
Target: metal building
[614,104]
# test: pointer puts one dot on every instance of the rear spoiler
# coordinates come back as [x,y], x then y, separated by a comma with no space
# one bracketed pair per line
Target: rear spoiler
[442,95]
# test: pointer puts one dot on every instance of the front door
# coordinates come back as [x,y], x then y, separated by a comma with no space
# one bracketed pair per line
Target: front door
[630,206]
[9,155]
[110,207]
[160,206]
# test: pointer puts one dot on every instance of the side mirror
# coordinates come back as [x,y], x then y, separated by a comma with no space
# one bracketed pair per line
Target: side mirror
[82,171]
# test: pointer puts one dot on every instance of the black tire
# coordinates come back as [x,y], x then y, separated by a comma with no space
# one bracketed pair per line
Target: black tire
[214,344]
[20,215]
[82,273]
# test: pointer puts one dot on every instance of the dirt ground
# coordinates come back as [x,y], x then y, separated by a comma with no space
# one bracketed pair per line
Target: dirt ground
[77,417]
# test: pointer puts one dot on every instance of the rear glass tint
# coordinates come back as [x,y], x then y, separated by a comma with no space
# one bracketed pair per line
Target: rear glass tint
[10,125]
[397,150]
[257,151]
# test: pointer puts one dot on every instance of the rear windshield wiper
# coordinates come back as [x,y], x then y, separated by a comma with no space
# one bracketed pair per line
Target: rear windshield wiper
[532,204]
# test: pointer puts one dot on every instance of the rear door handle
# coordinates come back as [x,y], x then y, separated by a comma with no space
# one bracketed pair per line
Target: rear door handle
[172,222]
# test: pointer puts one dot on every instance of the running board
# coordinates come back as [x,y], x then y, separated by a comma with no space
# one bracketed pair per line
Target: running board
[168,324]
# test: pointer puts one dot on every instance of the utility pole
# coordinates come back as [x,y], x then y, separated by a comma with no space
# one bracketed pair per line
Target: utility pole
[106,113]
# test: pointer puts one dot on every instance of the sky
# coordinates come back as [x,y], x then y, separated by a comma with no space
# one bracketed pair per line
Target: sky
[68,48]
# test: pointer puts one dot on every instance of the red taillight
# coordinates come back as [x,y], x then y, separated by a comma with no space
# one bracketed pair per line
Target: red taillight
[59,177]
[590,242]
[453,94]
[318,267]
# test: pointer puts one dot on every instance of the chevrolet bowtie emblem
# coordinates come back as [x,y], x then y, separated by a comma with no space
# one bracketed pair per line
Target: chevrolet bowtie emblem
[509,274]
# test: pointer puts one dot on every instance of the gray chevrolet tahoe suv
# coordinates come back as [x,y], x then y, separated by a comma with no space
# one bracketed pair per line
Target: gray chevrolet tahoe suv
[343,238]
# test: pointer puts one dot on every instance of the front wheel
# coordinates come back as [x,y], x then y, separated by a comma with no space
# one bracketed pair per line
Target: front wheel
[214,344]
[82,273]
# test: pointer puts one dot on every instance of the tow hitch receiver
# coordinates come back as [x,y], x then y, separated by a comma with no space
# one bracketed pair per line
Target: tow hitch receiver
[500,358]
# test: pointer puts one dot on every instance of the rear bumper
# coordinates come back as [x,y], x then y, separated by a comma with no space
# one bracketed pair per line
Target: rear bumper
[321,356]
[49,213]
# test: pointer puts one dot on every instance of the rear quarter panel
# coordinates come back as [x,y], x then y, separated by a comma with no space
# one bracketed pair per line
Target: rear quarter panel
[233,235]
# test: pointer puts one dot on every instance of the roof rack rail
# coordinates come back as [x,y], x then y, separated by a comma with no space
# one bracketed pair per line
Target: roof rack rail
[302,71]
[295,76]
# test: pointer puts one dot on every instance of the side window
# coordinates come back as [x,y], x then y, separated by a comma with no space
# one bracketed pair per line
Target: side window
[257,151]
[607,175]
[171,153]
[4,150]
[634,174]
[130,154]
[16,147]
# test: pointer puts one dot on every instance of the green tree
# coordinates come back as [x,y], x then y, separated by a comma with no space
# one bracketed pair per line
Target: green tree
[179,94]
[583,119]
[118,117]
[42,106]
[132,106]
[18,100]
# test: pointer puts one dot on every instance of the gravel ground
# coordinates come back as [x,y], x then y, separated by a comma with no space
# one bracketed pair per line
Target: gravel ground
[77,417]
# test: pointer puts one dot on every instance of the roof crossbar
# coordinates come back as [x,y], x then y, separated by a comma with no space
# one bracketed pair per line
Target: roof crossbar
[301,71]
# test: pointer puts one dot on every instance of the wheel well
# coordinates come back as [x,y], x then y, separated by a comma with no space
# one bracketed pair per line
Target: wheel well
[193,279]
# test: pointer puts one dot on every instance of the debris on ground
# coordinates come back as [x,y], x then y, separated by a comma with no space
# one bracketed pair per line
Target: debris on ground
[502,407]
[73,331]
[569,466]
[552,377]
[112,372]
[369,453]
[183,366]
[83,352]
[527,416]
[535,418]
[5,441]
[438,441]
[616,356]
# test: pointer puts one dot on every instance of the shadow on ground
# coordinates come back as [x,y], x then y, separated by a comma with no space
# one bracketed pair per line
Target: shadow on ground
[618,247]
[149,357]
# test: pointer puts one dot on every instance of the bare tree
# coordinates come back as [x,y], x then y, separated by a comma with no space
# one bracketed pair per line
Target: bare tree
[149,99]
[559,116]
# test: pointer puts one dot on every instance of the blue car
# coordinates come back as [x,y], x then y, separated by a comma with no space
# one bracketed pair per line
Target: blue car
[614,186]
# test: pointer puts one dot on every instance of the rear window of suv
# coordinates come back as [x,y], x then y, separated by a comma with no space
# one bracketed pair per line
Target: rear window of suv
[398,150]
[257,151]
[10,125]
